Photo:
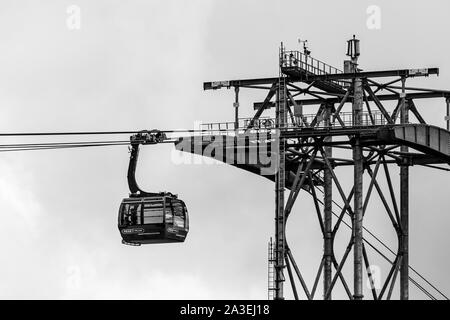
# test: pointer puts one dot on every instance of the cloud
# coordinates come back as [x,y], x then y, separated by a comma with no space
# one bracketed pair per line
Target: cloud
[20,210]
[92,281]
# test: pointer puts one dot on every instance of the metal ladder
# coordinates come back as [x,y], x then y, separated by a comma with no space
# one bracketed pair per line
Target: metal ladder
[271,271]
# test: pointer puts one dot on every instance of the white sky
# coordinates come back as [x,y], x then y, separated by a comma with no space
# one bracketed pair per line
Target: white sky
[140,65]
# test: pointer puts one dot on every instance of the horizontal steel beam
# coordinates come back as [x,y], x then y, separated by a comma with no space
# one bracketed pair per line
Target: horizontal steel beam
[366,131]
[372,74]
[240,83]
[340,76]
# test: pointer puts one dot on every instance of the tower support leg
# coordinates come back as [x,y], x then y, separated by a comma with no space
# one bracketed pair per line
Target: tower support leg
[280,230]
[358,220]
[279,226]
[327,216]
[404,217]
[358,200]
[404,208]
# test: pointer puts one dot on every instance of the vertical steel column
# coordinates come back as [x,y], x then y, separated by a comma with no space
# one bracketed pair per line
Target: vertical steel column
[236,108]
[404,207]
[358,200]
[327,212]
[447,118]
[280,240]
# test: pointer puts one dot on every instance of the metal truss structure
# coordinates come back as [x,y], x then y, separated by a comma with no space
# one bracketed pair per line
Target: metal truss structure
[351,125]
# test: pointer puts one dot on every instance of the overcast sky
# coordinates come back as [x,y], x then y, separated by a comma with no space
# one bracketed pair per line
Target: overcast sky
[140,65]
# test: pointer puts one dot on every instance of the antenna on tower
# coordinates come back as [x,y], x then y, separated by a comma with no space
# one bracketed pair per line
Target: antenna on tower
[306,51]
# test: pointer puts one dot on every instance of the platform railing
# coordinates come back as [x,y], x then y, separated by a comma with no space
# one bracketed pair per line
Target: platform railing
[303,121]
[346,117]
[297,59]
[229,128]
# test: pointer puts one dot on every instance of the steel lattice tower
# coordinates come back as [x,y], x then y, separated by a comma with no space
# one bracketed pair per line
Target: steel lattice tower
[308,147]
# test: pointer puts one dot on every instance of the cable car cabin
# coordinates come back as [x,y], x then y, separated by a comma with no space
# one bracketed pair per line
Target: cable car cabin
[153,219]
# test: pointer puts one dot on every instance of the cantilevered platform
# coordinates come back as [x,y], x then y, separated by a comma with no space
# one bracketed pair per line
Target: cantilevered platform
[255,152]
[251,153]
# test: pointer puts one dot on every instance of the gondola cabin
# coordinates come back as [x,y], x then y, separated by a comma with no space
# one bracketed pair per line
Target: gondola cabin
[153,219]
